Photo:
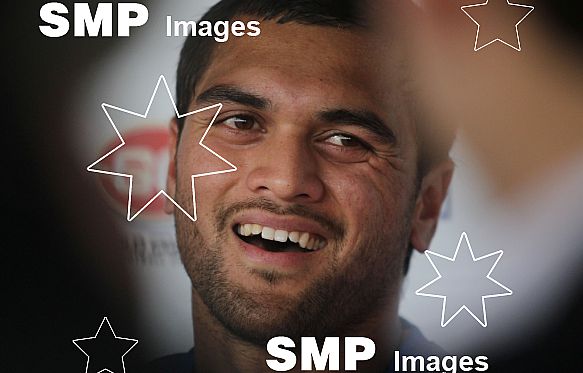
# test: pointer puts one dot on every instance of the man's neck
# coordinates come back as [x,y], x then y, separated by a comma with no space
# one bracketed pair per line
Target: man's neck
[217,350]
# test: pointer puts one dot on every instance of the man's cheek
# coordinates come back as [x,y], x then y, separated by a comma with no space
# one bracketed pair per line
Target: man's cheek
[359,194]
[215,192]
[371,206]
[195,159]
[360,203]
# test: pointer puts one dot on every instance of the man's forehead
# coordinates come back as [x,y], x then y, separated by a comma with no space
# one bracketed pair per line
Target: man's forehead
[298,45]
[331,55]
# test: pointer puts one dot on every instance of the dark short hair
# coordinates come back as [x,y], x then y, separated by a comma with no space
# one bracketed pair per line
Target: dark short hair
[196,55]
[197,51]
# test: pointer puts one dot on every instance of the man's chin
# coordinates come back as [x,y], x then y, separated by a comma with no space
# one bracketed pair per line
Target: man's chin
[254,315]
[257,305]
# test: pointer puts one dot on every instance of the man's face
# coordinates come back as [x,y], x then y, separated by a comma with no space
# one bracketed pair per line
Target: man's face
[326,163]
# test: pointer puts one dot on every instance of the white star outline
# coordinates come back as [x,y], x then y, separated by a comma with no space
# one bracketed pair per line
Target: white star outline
[106,106]
[105,320]
[463,237]
[463,8]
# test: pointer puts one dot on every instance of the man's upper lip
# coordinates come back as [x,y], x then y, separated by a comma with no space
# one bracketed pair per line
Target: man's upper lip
[290,223]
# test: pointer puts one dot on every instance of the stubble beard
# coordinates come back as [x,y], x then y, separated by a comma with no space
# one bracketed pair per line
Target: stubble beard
[334,304]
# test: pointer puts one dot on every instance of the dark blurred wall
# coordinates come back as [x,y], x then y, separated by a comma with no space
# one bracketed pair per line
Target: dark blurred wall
[65,265]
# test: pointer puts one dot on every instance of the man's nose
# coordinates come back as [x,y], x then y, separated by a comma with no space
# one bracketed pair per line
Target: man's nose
[286,170]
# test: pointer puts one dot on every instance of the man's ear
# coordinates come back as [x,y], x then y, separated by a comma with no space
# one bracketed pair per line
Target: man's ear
[171,175]
[432,193]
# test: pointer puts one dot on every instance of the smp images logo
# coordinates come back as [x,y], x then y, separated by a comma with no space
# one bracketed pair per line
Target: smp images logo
[94,22]
[146,156]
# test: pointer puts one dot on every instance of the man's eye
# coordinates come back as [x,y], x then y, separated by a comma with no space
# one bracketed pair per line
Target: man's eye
[345,148]
[345,141]
[240,122]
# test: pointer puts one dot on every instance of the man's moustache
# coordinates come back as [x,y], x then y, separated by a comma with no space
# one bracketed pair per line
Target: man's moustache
[224,213]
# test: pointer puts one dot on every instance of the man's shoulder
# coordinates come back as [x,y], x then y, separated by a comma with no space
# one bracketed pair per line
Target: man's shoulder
[175,363]
[414,342]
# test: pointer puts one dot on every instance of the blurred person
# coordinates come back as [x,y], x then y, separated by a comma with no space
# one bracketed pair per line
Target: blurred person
[522,117]
[336,184]
[65,263]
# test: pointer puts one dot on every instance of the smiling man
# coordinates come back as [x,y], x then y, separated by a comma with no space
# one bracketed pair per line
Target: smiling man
[336,184]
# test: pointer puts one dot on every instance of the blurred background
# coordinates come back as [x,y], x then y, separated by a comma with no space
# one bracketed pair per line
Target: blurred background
[69,243]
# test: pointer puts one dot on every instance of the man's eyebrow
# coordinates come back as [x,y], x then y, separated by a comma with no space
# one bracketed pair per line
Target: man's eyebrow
[230,93]
[362,118]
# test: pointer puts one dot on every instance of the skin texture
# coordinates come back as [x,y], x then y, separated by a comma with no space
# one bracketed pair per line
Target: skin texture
[297,166]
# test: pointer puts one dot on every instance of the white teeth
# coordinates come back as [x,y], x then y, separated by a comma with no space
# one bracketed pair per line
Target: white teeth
[304,239]
[268,233]
[256,229]
[280,235]
[244,230]
[294,237]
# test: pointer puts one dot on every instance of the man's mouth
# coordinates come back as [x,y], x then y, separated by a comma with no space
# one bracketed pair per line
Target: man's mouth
[279,240]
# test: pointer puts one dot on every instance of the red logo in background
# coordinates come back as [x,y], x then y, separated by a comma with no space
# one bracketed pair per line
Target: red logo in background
[145,155]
